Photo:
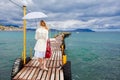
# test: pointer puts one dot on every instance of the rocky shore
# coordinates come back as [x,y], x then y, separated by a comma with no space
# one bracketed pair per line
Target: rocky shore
[10,28]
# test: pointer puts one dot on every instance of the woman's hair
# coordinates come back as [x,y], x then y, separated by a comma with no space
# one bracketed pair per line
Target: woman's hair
[43,24]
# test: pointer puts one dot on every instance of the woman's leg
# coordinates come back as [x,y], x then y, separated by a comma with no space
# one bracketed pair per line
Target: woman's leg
[44,64]
[40,61]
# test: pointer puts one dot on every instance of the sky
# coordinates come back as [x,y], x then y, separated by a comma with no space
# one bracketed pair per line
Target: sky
[98,15]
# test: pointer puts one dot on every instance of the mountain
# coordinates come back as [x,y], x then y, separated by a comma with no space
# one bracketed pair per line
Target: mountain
[76,30]
[83,30]
[33,29]
[55,30]
[13,25]
[30,29]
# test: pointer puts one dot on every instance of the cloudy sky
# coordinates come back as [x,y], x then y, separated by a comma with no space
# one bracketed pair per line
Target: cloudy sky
[99,15]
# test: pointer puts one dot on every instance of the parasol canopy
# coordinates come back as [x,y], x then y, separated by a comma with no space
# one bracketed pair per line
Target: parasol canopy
[35,15]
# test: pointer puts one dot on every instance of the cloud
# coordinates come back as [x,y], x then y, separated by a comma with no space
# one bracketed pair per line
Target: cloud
[23,2]
[70,24]
[66,14]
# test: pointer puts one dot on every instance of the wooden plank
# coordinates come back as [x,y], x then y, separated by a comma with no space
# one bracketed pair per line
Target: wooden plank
[58,59]
[54,60]
[38,64]
[36,74]
[29,63]
[56,69]
[57,55]
[28,72]
[51,61]
[57,64]
[21,71]
[49,74]
[48,62]
[39,75]
[53,74]
[57,75]
[30,69]
[44,75]
[35,63]
[31,74]
[60,55]
[50,68]
[17,76]
[52,57]
[25,71]
[61,75]
[45,72]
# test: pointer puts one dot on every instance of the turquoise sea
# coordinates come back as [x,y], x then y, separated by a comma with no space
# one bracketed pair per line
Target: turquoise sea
[94,55]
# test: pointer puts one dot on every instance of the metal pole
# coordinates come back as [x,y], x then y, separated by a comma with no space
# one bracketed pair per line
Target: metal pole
[24,36]
[30,53]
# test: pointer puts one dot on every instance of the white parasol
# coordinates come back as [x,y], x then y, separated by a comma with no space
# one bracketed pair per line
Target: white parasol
[34,15]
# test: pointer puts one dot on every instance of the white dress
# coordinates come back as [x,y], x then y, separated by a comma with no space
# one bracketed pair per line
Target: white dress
[41,36]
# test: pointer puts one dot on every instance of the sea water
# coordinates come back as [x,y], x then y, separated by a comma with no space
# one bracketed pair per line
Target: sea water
[93,55]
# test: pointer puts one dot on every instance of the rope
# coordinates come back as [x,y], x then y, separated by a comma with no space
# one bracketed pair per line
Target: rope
[18,5]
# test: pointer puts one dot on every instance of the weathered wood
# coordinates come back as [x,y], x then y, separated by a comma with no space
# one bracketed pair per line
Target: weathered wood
[61,75]
[23,73]
[44,75]
[29,63]
[36,74]
[49,69]
[28,73]
[57,74]
[32,70]
[48,74]
[53,74]
[53,69]
[31,74]
[39,75]
[17,76]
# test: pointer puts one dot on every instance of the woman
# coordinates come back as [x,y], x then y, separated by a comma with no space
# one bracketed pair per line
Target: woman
[41,36]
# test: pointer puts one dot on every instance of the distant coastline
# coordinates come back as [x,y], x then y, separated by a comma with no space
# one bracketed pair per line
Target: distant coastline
[13,28]
[75,30]
[10,28]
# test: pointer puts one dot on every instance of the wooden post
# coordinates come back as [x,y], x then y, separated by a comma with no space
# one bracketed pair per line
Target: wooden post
[22,55]
[31,53]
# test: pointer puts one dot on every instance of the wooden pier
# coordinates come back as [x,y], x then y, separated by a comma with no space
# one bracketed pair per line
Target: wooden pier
[32,71]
